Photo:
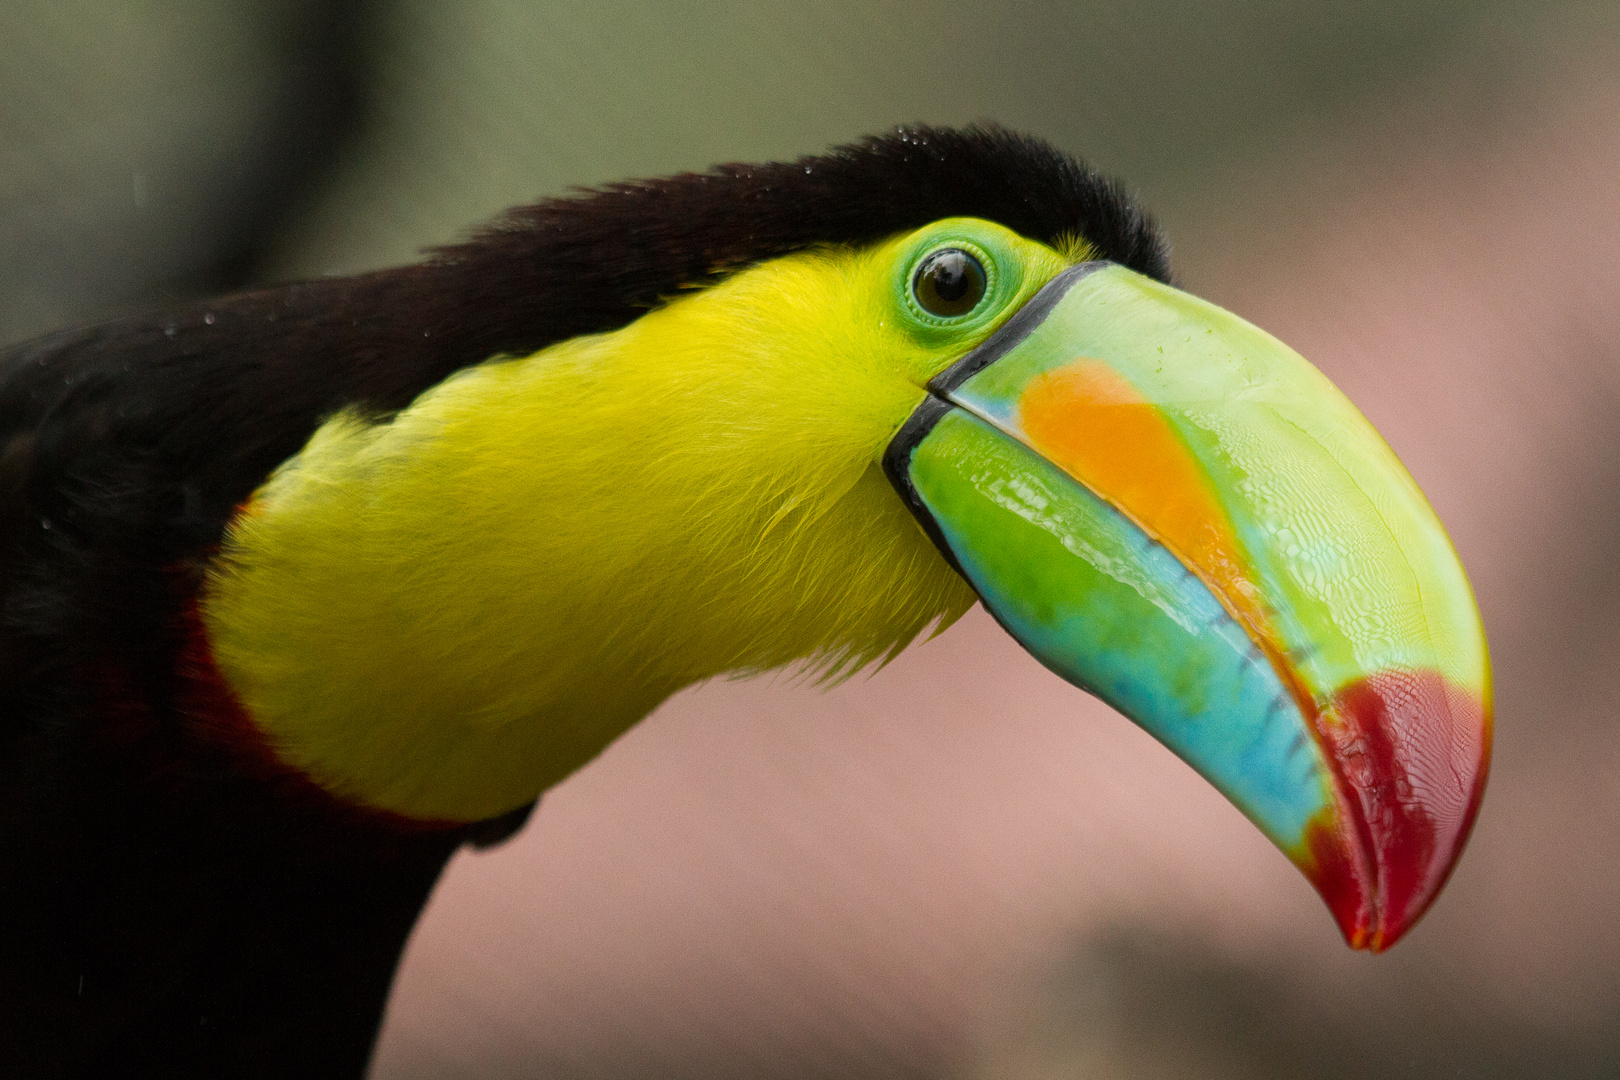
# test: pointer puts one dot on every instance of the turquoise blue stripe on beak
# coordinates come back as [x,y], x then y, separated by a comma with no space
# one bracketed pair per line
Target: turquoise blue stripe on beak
[1109,609]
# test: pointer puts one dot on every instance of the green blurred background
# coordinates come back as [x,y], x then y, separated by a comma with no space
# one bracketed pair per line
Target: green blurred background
[944,872]
[175,144]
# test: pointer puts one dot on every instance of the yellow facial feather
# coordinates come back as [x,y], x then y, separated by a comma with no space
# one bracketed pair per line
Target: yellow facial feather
[443,614]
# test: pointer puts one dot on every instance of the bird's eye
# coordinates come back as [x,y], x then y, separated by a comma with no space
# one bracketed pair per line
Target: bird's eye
[949,282]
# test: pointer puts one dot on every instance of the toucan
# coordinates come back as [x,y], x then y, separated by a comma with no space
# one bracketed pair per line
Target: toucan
[305,588]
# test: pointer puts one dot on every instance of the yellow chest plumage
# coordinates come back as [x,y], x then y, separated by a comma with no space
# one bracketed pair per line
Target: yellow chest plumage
[444,613]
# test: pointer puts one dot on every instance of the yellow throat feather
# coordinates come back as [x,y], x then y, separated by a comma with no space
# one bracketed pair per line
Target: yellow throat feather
[446,612]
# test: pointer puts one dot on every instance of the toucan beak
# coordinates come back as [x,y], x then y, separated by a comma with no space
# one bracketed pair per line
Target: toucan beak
[1173,510]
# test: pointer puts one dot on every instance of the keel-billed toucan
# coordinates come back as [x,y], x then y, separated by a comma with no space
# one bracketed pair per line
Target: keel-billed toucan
[304,588]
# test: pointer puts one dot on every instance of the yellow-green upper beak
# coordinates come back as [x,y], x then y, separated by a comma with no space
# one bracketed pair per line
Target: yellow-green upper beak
[1173,510]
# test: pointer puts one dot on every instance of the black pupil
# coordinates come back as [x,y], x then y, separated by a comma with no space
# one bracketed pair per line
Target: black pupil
[949,282]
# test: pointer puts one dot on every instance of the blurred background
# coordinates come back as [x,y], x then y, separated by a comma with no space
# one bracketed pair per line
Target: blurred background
[959,868]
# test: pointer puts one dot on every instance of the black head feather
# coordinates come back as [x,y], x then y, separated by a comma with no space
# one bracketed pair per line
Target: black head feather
[615,251]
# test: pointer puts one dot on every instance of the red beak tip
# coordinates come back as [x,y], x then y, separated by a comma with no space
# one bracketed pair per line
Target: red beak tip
[1410,756]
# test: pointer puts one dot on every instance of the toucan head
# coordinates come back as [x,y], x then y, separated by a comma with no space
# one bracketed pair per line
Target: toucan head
[832,445]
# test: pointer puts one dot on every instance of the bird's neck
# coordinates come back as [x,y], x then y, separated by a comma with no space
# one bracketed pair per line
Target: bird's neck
[445,613]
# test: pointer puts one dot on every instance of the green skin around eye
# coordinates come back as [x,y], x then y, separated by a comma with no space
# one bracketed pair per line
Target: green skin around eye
[1009,263]
[1015,269]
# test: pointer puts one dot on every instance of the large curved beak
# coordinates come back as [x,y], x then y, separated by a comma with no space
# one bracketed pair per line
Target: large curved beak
[1173,510]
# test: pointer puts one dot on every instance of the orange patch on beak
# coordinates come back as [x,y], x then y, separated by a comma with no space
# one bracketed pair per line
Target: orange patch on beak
[1087,420]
